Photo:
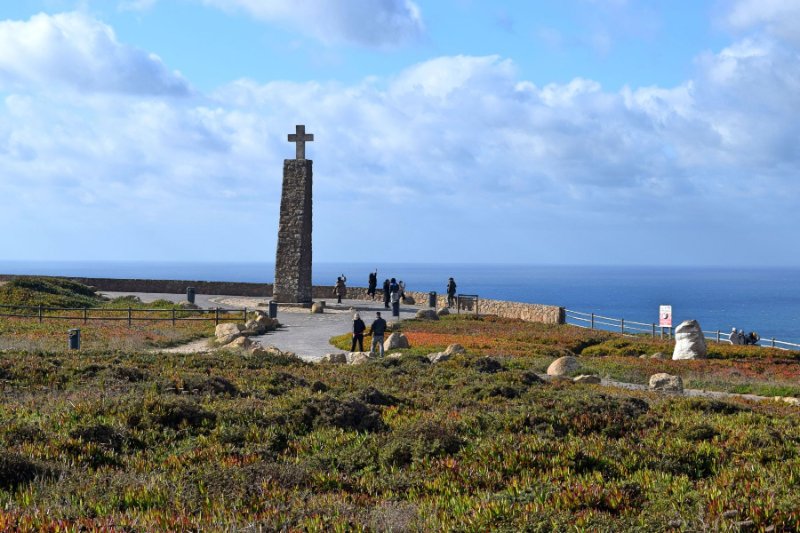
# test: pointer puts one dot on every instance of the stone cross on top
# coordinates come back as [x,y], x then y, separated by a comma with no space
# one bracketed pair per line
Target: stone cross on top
[301,138]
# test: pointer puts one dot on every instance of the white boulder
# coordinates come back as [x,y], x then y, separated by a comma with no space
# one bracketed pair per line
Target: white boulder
[395,341]
[563,366]
[666,383]
[689,341]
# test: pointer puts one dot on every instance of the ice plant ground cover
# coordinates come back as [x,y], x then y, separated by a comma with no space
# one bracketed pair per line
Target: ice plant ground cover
[133,440]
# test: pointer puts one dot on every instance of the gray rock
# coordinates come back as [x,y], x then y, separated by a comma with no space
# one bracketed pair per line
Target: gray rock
[239,342]
[563,366]
[395,341]
[359,358]
[666,383]
[689,341]
[227,332]
[427,314]
[253,327]
[438,357]
[454,349]
[587,379]
[334,358]
[408,300]
[318,307]
[443,311]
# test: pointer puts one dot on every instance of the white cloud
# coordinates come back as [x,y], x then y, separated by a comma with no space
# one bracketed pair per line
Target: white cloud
[373,23]
[77,51]
[780,18]
[463,139]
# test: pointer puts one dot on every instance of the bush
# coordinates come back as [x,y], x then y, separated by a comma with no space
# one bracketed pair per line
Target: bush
[16,470]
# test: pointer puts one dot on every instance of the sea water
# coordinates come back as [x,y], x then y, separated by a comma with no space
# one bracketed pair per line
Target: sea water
[766,300]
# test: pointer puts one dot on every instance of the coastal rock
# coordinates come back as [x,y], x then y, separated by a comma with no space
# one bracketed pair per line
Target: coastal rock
[666,383]
[587,379]
[334,358]
[438,357]
[227,332]
[240,342]
[689,341]
[318,307]
[253,327]
[427,314]
[443,311]
[563,366]
[359,358]
[396,341]
[454,349]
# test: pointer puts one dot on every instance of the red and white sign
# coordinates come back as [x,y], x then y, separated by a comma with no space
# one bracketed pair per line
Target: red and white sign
[665,316]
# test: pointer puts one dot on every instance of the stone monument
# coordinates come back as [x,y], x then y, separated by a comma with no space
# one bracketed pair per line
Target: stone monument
[293,259]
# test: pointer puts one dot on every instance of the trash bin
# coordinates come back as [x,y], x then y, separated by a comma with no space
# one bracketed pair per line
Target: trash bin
[432,299]
[75,339]
[396,309]
[273,309]
[190,295]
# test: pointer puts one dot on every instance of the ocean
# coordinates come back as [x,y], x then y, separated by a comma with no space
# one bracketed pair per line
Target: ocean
[766,300]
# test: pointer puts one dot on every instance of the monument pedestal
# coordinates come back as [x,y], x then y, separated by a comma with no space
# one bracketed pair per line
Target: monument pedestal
[293,259]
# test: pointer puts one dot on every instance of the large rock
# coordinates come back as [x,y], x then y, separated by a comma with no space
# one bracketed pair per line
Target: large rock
[438,357]
[254,327]
[395,341]
[666,383]
[318,307]
[563,366]
[227,332]
[689,341]
[427,314]
[443,311]
[455,349]
[240,342]
[359,358]
[334,358]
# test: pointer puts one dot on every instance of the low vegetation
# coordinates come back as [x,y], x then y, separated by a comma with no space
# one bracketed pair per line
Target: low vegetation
[230,441]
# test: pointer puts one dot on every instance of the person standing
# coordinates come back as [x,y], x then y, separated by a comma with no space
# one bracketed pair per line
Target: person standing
[340,289]
[373,284]
[358,333]
[396,303]
[386,286]
[451,292]
[378,330]
[402,286]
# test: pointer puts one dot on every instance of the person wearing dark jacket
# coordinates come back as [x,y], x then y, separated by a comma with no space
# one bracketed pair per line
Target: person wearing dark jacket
[386,286]
[451,292]
[358,333]
[378,330]
[373,284]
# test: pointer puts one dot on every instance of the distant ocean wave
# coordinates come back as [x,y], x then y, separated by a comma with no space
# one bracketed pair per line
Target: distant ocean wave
[766,300]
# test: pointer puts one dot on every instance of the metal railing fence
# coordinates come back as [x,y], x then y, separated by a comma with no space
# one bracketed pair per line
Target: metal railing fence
[128,314]
[631,328]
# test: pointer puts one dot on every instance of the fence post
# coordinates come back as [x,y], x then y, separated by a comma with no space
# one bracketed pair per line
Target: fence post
[173,316]
[622,325]
[718,337]
[773,342]
[654,331]
[592,320]
[216,316]
[85,315]
[130,317]
[40,313]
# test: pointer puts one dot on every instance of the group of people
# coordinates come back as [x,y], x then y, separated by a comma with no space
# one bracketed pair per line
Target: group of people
[739,337]
[377,330]
[393,291]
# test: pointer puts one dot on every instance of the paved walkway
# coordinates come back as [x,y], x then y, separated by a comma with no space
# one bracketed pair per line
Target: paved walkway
[303,333]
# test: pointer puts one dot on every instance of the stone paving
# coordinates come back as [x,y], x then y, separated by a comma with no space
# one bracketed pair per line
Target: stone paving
[303,333]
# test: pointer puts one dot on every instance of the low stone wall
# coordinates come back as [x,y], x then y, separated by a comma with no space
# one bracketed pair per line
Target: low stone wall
[228,288]
[547,314]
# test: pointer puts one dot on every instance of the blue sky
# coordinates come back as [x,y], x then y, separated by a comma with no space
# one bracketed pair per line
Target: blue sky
[569,132]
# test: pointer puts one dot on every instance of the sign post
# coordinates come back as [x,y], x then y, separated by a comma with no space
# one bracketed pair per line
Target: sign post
[665,318]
